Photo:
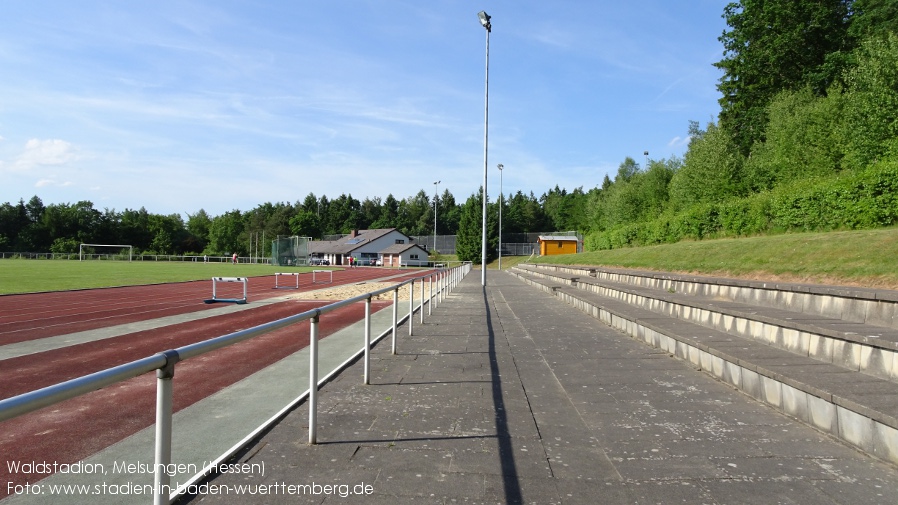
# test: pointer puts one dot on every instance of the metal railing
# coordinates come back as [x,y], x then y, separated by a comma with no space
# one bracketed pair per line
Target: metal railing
[164,364]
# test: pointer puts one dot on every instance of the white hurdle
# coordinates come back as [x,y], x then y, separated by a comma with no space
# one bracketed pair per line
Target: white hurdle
[215,298]
[330,274]
[278,275]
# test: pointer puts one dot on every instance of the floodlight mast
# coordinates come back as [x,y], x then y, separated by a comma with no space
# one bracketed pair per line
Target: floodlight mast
[436,186]
[485,21]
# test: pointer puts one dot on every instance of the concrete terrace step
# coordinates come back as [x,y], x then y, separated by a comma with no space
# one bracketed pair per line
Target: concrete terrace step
[859,305]
[857,408]
[867,348]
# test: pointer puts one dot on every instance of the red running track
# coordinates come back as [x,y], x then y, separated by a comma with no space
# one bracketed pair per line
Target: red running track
[72,430]
[41,315]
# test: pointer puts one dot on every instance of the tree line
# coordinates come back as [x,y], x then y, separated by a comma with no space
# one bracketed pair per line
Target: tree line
[33,226]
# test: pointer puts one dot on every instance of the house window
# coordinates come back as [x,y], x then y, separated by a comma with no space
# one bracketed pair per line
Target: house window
[400,241]
[559,244]
[413,256]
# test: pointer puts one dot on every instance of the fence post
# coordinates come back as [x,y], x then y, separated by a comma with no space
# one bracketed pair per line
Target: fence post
[422,301]
[162,479]
[395,315]
[367,340]
[313,380]
[411,306]
[430,297]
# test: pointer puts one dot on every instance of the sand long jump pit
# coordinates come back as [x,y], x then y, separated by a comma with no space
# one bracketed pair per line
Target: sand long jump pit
[347,291]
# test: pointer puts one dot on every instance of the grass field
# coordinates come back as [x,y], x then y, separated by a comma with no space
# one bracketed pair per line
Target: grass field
[859,258]
[29,276]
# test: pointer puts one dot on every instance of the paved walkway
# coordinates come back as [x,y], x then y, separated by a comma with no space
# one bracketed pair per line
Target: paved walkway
[507,395]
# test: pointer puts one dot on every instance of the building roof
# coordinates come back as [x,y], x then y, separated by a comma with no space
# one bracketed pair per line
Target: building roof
[349,243]
[401,248]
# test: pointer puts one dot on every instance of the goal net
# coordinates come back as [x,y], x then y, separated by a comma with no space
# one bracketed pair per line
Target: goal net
[290,251]
[116,252]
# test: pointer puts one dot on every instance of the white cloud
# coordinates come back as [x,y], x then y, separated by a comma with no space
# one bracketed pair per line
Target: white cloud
[44,152]
[52,182]
[679,141]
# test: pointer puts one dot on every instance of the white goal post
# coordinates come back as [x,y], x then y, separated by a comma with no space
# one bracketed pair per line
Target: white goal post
[120,246]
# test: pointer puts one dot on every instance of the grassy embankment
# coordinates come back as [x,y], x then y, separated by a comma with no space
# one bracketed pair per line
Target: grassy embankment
[866,258]
[856,258]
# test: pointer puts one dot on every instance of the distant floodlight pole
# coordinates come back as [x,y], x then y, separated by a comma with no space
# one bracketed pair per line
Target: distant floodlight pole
[500,167]
[435,186]
[646,167]
[485,21]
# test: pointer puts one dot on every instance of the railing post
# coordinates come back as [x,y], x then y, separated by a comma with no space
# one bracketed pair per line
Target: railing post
[430,296]
[367,340]
[162,479]
[395,315]
[411,306]
[422,301]
[313,380]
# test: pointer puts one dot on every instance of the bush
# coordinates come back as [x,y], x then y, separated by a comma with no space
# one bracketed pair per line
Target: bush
[853,200]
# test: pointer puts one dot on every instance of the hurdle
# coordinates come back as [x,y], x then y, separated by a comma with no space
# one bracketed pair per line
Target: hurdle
[330,274]
[215,298]
[278,275]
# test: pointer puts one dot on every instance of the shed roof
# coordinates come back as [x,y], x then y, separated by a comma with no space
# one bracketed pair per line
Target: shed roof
[544,238]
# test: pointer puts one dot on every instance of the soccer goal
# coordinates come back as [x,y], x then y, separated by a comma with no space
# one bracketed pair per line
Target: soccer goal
[114,252]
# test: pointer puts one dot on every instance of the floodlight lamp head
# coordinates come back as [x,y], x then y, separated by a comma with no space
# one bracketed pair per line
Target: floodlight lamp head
[500,166]
[485,20]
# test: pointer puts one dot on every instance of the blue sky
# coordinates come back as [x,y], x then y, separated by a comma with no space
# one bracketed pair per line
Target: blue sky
[226,104]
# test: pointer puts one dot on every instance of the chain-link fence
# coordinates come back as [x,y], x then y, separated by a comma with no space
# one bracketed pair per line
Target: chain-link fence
[513,244]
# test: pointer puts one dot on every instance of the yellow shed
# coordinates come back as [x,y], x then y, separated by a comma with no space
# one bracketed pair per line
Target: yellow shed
[549,245]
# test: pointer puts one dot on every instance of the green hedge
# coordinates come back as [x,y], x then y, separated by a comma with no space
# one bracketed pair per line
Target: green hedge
[854,200]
